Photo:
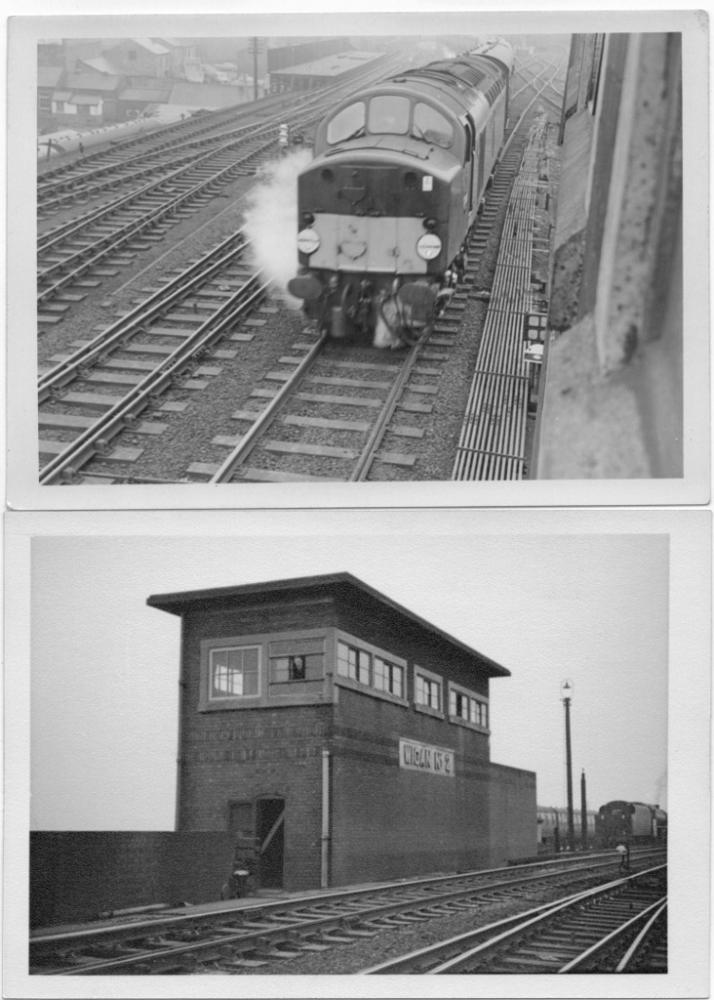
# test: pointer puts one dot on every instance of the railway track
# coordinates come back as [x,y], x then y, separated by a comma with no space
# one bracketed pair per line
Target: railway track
[144,353]
[321,412]
[251,934]
[616,927]
[337,416]
[133,158]
[74,255]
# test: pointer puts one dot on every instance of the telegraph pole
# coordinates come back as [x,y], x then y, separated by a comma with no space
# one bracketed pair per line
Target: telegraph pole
[566,691]
[254,49]
[583,814]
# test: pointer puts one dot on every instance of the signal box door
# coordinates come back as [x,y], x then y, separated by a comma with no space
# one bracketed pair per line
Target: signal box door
[270,835]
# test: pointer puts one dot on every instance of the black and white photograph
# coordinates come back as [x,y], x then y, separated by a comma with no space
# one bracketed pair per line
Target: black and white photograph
[334,756]
[433,253]
[357,538]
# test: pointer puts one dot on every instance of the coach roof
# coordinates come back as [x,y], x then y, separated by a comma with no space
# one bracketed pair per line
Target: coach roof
[180,603]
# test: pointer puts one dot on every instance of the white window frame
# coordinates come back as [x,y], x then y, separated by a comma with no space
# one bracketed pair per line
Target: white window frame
[222,698]
[431,678]
[342,680]
[472,696]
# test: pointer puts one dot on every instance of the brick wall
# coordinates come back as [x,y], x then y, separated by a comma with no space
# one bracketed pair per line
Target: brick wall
[78,875]
[512,811]
[390,822]
[387,821]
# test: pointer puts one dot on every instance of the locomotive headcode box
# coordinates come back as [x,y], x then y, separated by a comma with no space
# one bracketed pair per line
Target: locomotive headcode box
[421,757]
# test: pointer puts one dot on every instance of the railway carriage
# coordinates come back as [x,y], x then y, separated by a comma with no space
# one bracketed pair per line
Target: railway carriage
[386,205]
[550,819]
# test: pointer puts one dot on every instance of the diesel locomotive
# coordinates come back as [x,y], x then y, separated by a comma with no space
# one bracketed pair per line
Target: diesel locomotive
[635,822]
[385,207]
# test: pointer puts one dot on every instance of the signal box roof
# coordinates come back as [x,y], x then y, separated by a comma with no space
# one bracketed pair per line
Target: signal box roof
[344,583]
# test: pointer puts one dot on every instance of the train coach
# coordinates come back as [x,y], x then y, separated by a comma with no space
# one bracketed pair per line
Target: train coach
[635,822]
[552,828]
[385,207]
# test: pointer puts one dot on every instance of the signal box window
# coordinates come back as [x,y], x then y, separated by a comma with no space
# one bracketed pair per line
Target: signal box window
[427,691]
[388,676]
[296,667]
[370,670]
[301,667]
[234,672]
[465,706]
[347,124]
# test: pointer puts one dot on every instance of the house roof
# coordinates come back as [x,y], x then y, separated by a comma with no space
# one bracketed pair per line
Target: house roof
[86,98]
[49,76]
[180,603]
[100,64]
[92,81]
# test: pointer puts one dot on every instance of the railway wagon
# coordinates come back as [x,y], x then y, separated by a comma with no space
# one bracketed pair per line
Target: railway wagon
[550,819]
[385,207]
[635,822]
[74,141]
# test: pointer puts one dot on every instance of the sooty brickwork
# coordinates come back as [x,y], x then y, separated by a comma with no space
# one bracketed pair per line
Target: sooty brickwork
[512,805]
[389,726]
[80,875]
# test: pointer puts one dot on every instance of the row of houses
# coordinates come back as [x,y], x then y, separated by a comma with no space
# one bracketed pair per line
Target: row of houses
[87,83]
[150,57]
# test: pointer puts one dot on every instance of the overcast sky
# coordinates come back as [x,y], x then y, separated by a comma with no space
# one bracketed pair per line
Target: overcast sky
[592,608]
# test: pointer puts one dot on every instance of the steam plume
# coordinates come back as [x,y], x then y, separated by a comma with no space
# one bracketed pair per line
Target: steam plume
[271,217]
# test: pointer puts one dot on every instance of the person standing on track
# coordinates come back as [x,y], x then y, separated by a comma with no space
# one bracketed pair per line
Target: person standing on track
[623,853]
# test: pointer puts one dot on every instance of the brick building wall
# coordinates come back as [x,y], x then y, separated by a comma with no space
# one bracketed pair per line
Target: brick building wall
[512,813]
[78,875]
[389,822]
[251,754]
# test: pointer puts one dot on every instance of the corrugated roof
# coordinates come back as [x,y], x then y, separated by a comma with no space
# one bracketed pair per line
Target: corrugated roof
[334,65]
[151,46]
[204,95]
[179,603]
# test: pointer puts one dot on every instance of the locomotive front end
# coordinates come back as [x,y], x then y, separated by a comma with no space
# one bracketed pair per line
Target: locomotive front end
[364,225]
[376,211]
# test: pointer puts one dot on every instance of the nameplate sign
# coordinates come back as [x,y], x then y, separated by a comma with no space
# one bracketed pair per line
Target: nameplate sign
[421,757]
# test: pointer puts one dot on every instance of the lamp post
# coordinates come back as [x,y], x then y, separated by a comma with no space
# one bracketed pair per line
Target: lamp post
[566,690]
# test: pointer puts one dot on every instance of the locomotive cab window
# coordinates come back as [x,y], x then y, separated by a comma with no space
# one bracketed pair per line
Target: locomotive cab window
[347,124]
[388,115]
[431,126]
